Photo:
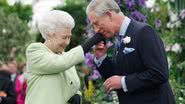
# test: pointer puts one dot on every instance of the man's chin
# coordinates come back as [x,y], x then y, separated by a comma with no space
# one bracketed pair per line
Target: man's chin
[108,36]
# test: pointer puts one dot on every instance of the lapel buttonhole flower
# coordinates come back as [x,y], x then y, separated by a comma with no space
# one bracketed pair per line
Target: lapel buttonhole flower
[126,40]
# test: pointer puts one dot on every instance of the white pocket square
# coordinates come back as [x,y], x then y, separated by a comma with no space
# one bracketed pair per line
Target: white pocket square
[128,50]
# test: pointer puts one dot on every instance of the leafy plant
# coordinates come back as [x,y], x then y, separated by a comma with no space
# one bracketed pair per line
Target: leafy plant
[13,33]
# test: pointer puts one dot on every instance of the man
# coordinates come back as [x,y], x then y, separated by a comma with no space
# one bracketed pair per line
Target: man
[12,64]
[141,69]
[7,92]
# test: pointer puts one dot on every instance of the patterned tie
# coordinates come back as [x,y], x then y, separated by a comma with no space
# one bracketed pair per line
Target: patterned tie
[117,44]
[119,37]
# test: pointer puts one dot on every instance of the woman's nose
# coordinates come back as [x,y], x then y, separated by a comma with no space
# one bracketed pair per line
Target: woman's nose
[68,41]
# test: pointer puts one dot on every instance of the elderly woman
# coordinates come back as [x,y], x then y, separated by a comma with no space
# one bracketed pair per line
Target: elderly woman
[52,77]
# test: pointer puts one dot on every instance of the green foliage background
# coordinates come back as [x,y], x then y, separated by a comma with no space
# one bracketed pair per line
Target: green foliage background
[14,29]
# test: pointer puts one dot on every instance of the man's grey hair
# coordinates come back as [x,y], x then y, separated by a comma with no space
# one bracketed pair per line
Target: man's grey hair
[100,7]
[53,21]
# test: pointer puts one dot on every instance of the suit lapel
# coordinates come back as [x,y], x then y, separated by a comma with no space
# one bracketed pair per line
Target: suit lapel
[129,33]
[122,64]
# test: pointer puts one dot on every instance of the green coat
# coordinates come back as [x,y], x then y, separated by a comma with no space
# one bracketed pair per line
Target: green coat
[52,78]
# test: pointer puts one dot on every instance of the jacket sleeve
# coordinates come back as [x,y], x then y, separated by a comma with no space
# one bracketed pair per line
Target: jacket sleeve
[40,61]
[153,56]
[106,68]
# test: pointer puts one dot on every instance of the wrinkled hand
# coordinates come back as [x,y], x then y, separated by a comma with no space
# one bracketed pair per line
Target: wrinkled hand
[85,70]
[113,83]
[100,49]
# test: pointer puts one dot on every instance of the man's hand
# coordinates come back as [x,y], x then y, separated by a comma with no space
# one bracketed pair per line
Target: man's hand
[100,49]
[85,70]
[112,83]
[3,94]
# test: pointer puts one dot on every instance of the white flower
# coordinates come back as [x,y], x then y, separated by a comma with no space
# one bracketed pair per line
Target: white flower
[173,16]
[168,48]
[150,3]
[126,40]
[182,14]
[174,20]
[4,31]
[176,48]
[11,2]
[178,24]
[169,25]
[180,98]
[23,2]
[165,0]
[169,62]
[173,24]
[157,8]
[182,90]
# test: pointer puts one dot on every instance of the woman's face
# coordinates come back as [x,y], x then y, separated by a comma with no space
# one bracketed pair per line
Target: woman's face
[61,39]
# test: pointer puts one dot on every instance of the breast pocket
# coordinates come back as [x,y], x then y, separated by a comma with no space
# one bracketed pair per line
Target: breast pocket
[133,61]
[130,55]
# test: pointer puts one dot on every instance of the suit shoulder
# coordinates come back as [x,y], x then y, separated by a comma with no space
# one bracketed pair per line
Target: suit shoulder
[140,26]
[4,74]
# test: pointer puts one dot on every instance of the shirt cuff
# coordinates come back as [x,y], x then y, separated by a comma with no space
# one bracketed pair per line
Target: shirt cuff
[99,61]
[124,86]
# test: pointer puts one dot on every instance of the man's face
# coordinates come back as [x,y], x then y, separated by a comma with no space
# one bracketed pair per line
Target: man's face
[12,67]
[102,24]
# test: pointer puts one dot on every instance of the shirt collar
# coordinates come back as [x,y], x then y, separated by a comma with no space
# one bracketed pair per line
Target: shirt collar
[124,26]
[100,60]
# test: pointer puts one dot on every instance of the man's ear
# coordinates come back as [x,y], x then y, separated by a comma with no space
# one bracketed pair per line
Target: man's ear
[109,14]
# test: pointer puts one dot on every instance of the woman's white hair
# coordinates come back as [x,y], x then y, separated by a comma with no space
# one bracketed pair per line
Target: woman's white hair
[53,21]
[100,7]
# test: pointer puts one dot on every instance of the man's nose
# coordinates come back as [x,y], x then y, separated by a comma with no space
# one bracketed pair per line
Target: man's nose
[96,29]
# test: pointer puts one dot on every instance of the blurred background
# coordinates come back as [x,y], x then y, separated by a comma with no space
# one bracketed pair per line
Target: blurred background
[18,29]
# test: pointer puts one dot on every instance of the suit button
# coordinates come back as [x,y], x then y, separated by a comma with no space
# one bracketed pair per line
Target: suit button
[71,82]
